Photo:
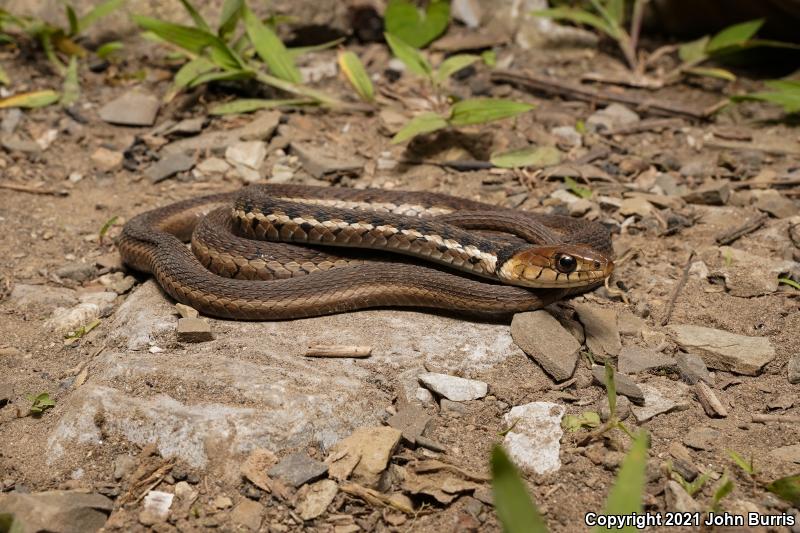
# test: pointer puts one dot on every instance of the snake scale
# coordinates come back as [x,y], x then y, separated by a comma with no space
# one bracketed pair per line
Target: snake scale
[270,252]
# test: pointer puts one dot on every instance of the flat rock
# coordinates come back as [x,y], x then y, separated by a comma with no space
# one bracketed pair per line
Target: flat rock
[213,165]
[76,271]
[608,118]
[678,500]
[319,162]
[661,396]
[723,350]
[42,296]
[787,454]
[107,160]
[194,330]
[260,128]
[250,154]
[534,441]
[248,514]
[364,454]
[623,383]
[636,206]
[634,359]
[316,499]
[57,511]
[133,108]
[169,166]
[747,275]
[776,204]
[157,503]
[544,339]
[298,469]
[712,193]
[602,332]
[14,143]
[693,368]
[630,324]
[454,388]
[410,420]
[703,438]
[793,369]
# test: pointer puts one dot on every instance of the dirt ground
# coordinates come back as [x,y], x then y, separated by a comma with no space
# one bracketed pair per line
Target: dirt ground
[748,145]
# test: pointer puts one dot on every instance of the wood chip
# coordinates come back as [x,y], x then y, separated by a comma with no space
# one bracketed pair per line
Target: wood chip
[708,399]
[338,350]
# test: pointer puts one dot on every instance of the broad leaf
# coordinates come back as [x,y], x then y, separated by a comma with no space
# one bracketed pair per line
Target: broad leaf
[735,35]
[270,48]
[616,11]
[482,110]
[30,100]
[536,156]
[410,56]
[589,419]
[786,94]
[191,70]
[694,51]
[609,17]
[626,495]
[98,12]
[515,509]
[356,75]
[248,105]
[453,64]
[417,28]
[423,123]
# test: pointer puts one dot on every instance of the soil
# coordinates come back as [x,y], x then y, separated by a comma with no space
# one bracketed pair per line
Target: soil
[44,232]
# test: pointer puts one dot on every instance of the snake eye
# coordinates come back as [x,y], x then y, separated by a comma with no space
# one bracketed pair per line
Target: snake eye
[566,263]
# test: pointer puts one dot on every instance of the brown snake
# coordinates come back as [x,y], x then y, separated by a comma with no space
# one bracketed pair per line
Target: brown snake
[515,261]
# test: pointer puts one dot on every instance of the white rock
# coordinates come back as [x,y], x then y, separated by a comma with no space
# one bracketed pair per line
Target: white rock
[534,441]
[724,350]
[661,395]
[158,503]
[213,165]
[454,388]
[568,135]
[249,154]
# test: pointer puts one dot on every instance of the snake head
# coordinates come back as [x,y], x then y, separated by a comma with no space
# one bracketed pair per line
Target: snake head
[558,266]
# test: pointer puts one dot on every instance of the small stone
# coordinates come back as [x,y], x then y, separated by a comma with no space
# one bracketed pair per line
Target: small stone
[11,118]
[747,275]
[455,409]
[123,466]
[534,440]
[630,324]
[793,370]
[636,206]
[693,369]
[610,117]
[256,466]
[250,154]
[13,143]
[222,502]
[580,207]
[567,135]
[776,204]
[57,511]
[682,461]
[468,12]
[454,388]
[698,168]
[787,454]
[260,128]
[42,296]
[364,454]
[702,438]
[298,469]
[602,332]
[133,108]
[709,400]
[185,492]
[712,193]
[725,351]
[623,408]
[194,330]
[248,514]
[186,311]
[157,504]
[213,165]
[107,160]
[281,174]
[316,499]
[661,396]
[424,396]
[189,126]
[117,282]
[169,166]
[543,338]
[76,272]
[678,500]
[411,420]
[633,359]
[623,383]
[319,163]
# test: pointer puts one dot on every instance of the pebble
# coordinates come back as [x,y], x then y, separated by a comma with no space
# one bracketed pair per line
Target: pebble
[213,165]
[411,420]
[580,207]
[117,282]
[107,160]
[747,275]
[123,465]
[623,383]
[543,338]
[186,311]
[787,454]
[11,118]
[250,154]
[194,330]
[678,500]
[567,135]
[712,193]
[702,438]
[623,408]
[468,12]
[454,388]
[682,461]
[776,204]
[168,166]
[133,108]
[534,440]
[602,332]
[13,143]
[76,272]
[725,351]
[630,324]
[298,469]
[636,206]
[610,117]
[248,514]
[316,500]
[365,454]
[693,369]
[661,396]
[157,504]
[261,127]
[793,370]
[634,359]
[319,163]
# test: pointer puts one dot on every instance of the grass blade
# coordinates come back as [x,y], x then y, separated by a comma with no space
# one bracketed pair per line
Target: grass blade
[787,488]
[410,56]
[229,17]
[453,64]
[270,48]
[625,497]
[577,16]
[4,79]
[357,76]
[72,18]
[297,51]
[537,156]
[423,123]
[515,509]
[735,35]
[198,19]
[248,105]
[31,99]
[99,11]
[482,110]
[71,88]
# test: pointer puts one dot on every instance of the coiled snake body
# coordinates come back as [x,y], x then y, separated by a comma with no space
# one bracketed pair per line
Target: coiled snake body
[241,265]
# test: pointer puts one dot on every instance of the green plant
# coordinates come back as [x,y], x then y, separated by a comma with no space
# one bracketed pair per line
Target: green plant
[692,487]
[747,466]
[414,26]
[227,54]
[785,93]
[723,488]
[40,403]
[613,421]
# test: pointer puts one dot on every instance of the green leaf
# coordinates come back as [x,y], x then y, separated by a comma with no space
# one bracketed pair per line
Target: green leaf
[270,48]
[625,497]
[735,35]
[423,123]
[575,188]
[515,509]
[71,88]
[9,524]
[489,58]
[609,18]
[99,11]
[229,17]
[578,16]
[693,487]
[107,226]
[40,403]
[31,100]
[297,51]
[410,56]
[72,18]
[198,19]
[357,76]
[694,51]
[611,390]
[616,11]
[537,156]
[4,79]
[786,94]
[225,75]
[787,488]
[191,70]
[453,64]
[403,19]
[248,105]
[719,73]
[790,282]
[724,487]
[106,50]
[588,419]
[482,110]
[742,463]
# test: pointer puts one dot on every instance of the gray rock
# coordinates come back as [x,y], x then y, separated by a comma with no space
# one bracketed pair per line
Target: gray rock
[678,500]
[298,469]
[623,408]
[189,126]
[133,108]
[534,441]
[316,499]
[793,369]
[57,511]
[661,396]
[468,12]
[703,438]
[610,117]
[636,206]
[11,118]
[787,454]
[320,163]
[260,128]
[630,324]
[248,514]
[194,330]
[669,184]
[6,393]
[747,275]
[623,383]
[124,465]
[698,168]
[712,193]
[76,271]
[725,351]
[14,143]
[634,359]
[568,135]
[682,461]
[602,332]
[543,338]
[250,154]
[776,204]
[693,369]
[42,296]
[454,388]
[213,165]
[169,166]
[411,421]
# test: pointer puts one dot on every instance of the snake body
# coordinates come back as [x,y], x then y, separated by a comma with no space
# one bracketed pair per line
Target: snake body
[243,266]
